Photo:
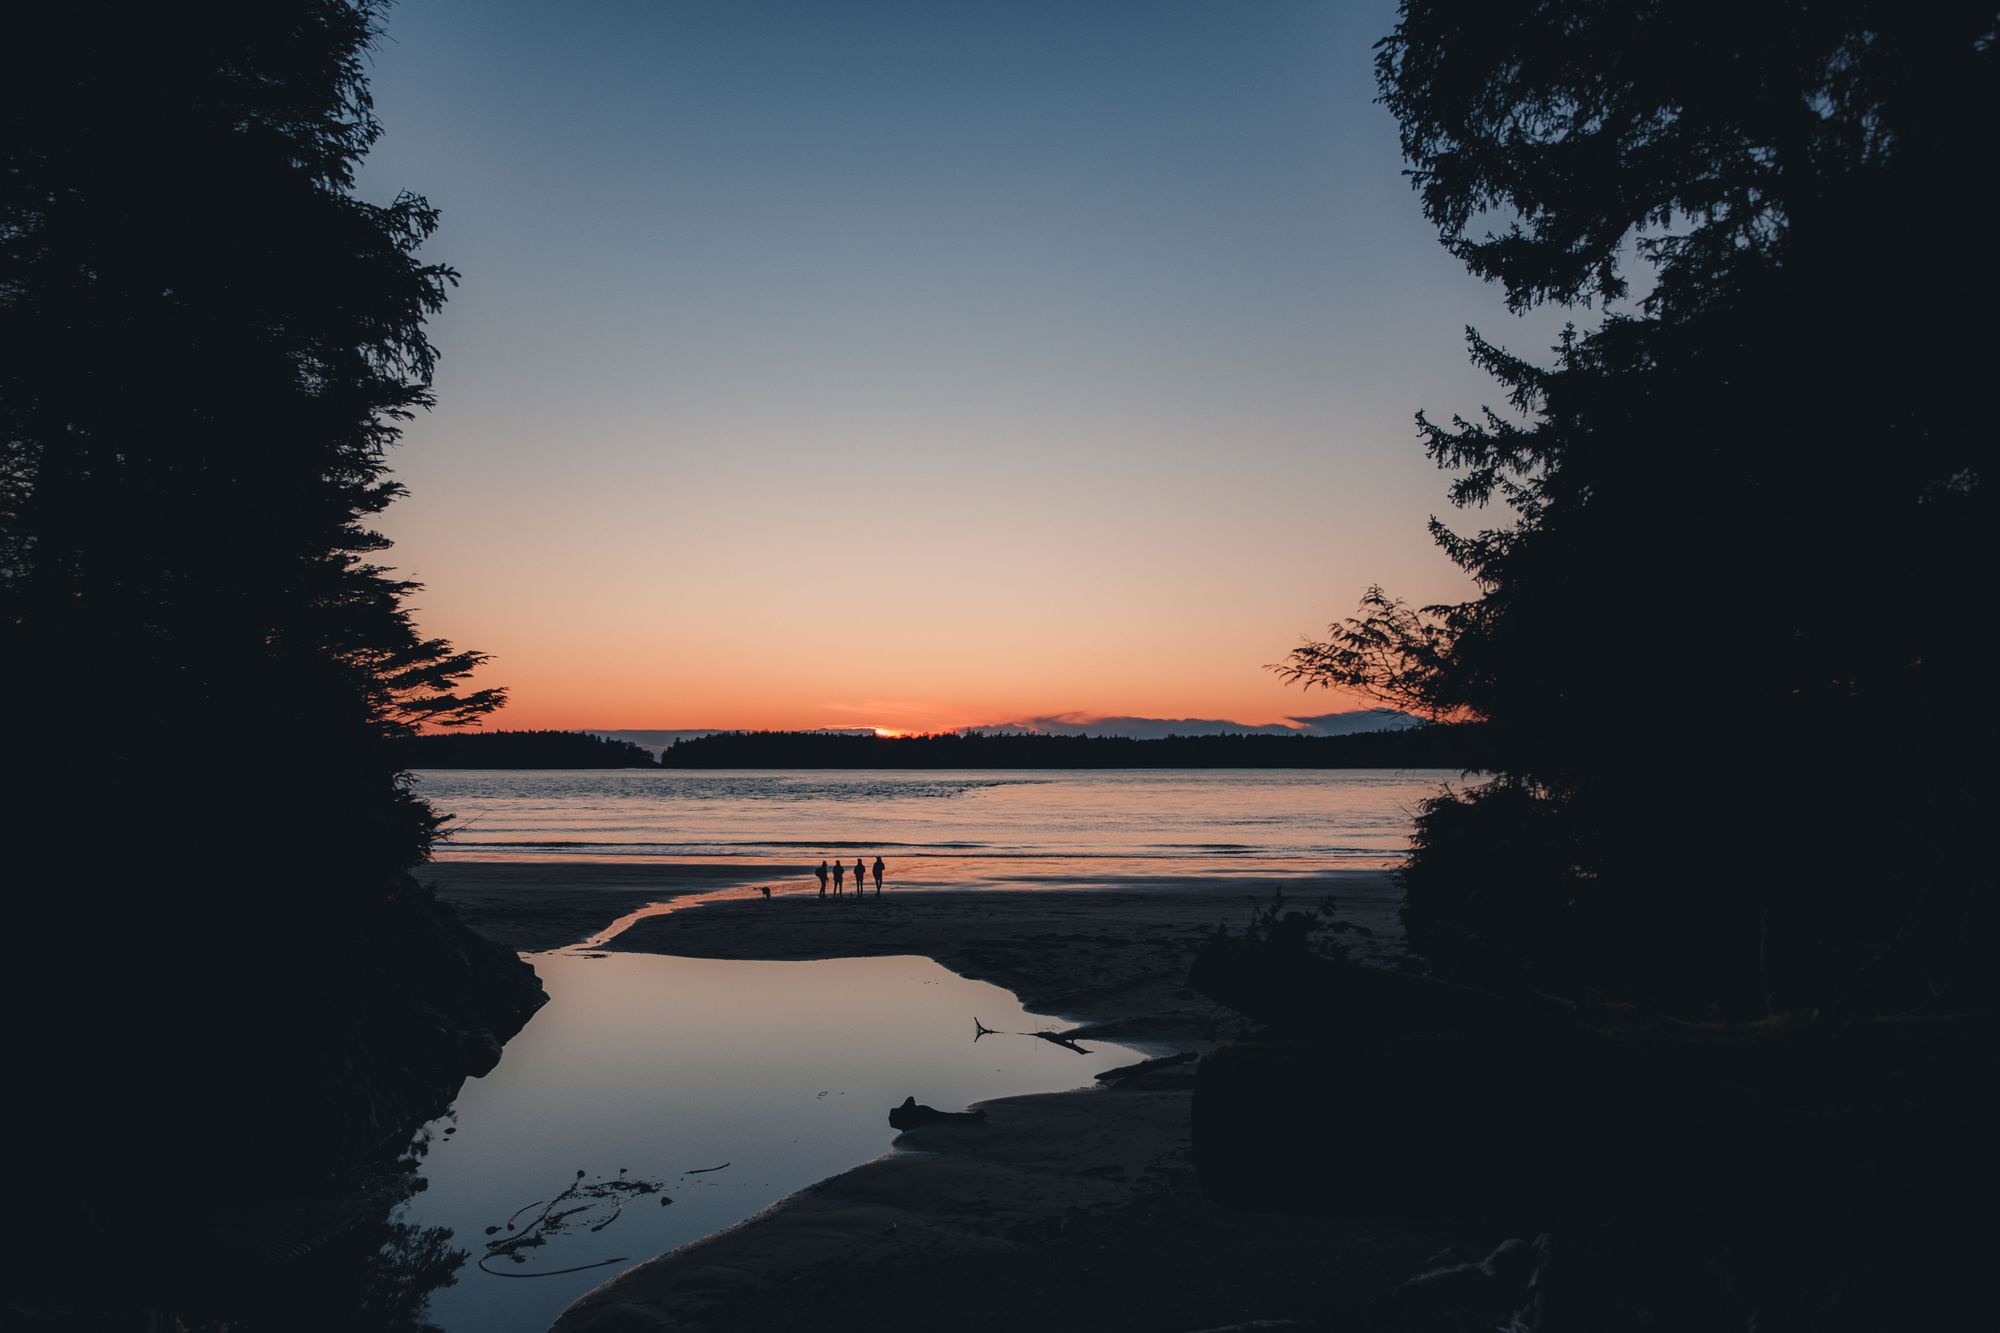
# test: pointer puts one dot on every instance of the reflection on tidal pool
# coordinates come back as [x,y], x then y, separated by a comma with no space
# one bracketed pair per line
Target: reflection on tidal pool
[666,1067]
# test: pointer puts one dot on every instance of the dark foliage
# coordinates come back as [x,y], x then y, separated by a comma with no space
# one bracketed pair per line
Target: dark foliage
[346,1264]
[1456,747]
[1746,502]
[210,344]
[518,749]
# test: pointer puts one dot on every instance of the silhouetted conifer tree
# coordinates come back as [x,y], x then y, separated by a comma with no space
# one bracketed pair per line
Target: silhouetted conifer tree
[1726,633]
[210,344]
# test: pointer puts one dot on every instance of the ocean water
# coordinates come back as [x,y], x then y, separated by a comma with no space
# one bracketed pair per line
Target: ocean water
[945,827]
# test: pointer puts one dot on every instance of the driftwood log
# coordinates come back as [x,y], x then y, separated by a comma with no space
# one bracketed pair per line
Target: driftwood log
[911,1115]
[1154,1066]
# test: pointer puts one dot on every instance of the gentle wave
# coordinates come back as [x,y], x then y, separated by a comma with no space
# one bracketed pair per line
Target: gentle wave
[652,785]
[914,851]
[746,846]
[1260,822]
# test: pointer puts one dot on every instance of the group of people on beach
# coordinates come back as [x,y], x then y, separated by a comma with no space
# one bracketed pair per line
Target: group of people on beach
[840,877]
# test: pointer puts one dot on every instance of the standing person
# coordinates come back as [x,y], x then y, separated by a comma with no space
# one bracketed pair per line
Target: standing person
[860,878]
[839,871]
[878,875]
[821,872]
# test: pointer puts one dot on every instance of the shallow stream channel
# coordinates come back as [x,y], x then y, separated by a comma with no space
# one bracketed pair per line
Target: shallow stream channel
[656,1100]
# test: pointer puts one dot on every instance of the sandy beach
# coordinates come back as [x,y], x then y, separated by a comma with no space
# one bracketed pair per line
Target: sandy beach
[1068,1210]
[530,906]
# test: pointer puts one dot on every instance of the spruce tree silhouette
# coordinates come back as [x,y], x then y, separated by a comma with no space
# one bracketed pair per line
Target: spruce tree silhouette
[211,344]
[1726,641]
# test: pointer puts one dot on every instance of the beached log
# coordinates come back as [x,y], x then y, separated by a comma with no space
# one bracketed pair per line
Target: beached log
[911,1115]
[1123,1072]
[1058,1039]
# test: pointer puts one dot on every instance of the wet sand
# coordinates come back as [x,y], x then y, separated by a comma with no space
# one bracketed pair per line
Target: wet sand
[1071,1210]
[530,906]
[1114,961]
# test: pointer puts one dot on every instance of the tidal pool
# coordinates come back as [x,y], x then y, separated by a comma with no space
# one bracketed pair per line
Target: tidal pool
[665,1067]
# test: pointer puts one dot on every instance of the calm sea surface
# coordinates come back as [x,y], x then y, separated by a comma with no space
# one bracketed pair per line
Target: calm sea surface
[945,827]
[661,1067]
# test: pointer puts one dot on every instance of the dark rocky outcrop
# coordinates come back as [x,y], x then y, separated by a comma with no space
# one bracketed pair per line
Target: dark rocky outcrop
[257,1111]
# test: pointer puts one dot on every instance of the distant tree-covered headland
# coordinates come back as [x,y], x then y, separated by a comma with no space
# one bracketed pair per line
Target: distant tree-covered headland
[519,749]
[1442,746]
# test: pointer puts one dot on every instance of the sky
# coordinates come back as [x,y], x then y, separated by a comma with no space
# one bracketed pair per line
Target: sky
[916,366]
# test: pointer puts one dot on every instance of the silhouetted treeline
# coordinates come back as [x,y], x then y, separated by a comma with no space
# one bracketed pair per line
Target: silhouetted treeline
[212,342]
[519,749]
[1448,746]
[1745,485]
[1746,491]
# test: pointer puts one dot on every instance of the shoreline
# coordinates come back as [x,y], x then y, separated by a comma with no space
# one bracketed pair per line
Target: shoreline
[535,906]
[1064,1210]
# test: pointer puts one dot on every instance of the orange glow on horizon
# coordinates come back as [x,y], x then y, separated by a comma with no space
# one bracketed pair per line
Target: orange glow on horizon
[540,708]
[826,427]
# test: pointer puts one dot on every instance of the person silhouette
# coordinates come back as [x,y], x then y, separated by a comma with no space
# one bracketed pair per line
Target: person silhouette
[860,877]
[821,872]
[839,873]
[878,876]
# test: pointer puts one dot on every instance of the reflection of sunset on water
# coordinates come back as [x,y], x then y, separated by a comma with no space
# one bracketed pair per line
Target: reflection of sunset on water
[940,829]
[784,1070]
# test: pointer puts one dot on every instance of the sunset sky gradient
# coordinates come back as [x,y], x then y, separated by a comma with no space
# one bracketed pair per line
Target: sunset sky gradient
[919,365]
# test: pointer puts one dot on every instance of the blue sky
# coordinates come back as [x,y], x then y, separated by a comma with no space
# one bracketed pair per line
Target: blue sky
[916,365]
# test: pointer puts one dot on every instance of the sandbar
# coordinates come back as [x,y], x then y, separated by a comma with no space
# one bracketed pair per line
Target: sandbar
[1065,1210]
